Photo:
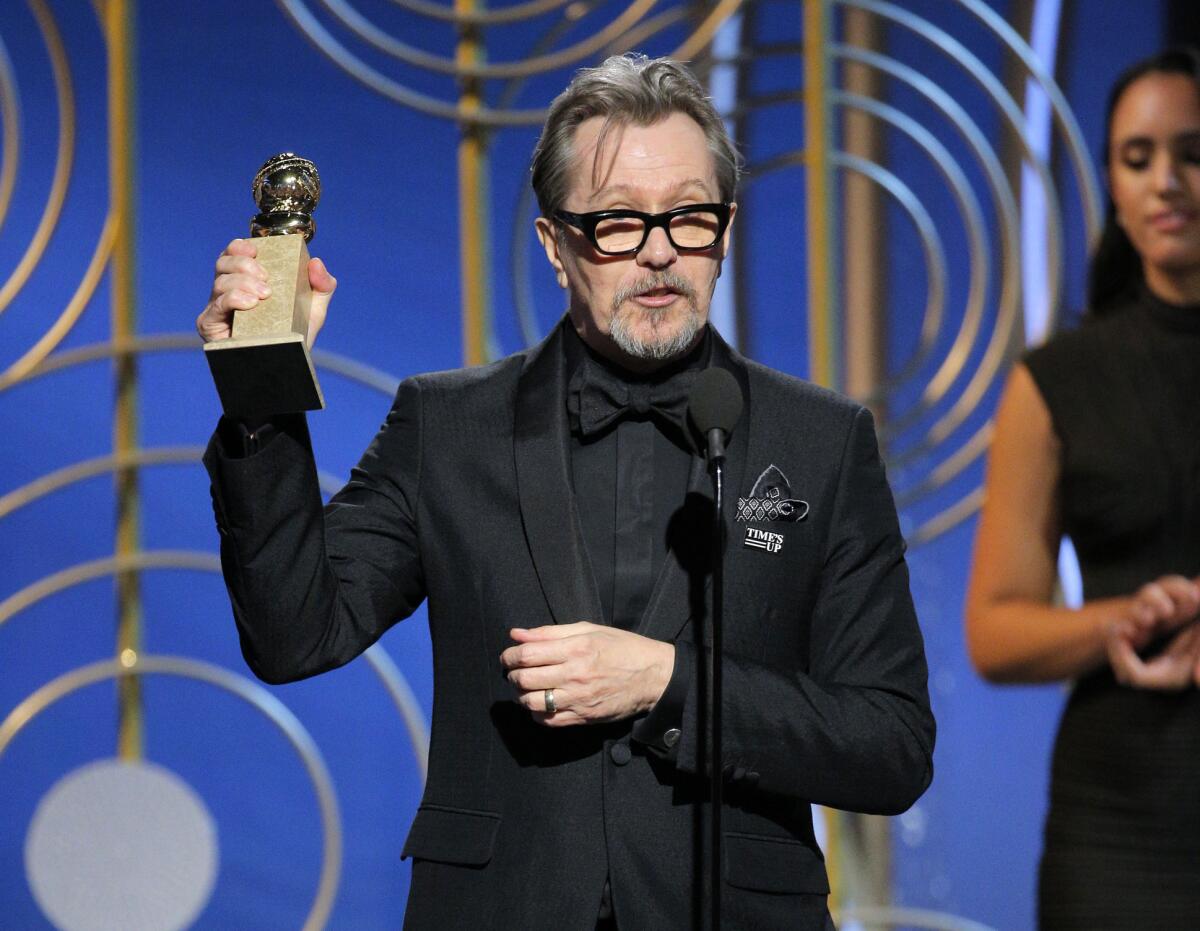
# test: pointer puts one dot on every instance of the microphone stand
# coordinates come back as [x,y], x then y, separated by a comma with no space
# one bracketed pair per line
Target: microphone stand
[715,406]
[716,445]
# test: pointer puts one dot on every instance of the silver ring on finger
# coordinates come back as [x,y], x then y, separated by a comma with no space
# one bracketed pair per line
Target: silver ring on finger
[551,707]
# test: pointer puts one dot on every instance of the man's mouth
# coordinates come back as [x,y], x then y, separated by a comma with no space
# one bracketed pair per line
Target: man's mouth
[658,297]
[655,292]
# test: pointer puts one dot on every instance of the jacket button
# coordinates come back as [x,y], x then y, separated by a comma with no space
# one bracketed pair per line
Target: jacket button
[671,737]
[620,753]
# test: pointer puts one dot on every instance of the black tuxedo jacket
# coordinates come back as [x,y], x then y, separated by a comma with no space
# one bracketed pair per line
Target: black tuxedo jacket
[464,498]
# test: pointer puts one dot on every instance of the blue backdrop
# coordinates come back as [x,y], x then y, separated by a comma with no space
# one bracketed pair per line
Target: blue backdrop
[220,86]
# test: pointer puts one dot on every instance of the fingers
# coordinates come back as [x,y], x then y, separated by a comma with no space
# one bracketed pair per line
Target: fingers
[549,645]
[1184,594]
[528,655]
[551,631]
[1122,657]
[241,247]
[1152,603]
[239,262]
[543,659]
[323,285]
[1168,601]
[239,286]
[540,677]
[597,673]
[319,278]
[1172,669]
[237,270]
[535,701]
[239,283]
[561,718]
[534,667]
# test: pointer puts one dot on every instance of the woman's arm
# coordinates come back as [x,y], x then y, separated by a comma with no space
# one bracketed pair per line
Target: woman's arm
[1014,633]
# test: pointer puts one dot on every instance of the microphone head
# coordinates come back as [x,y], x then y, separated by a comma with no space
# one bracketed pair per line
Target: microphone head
[716,401]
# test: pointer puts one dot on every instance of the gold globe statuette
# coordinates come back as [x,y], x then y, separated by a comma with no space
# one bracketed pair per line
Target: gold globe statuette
[265,367]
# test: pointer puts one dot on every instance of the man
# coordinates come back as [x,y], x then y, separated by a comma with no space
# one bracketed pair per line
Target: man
[554,511]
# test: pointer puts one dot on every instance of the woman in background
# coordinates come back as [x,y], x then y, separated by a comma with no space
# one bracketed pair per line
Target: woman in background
[1098,438]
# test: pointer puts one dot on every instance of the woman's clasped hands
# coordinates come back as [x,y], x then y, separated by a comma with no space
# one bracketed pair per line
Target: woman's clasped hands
[1156,643]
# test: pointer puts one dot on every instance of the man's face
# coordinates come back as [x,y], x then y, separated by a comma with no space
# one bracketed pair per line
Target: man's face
[641,309]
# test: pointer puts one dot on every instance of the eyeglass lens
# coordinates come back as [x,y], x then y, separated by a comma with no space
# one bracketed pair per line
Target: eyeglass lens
[687,231]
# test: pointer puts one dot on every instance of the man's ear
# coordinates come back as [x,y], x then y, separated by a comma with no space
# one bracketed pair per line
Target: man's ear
[725,239]
[547,234]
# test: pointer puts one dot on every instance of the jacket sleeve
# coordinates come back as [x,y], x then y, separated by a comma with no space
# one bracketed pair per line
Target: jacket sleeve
[313,587]
[854,730]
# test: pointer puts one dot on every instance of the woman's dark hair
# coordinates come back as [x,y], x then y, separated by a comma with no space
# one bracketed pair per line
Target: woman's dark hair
[1115,272]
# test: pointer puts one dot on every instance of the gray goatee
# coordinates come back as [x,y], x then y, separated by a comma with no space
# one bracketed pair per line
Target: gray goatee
[663,344]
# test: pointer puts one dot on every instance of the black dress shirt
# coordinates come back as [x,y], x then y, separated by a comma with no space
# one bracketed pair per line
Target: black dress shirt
[629,480]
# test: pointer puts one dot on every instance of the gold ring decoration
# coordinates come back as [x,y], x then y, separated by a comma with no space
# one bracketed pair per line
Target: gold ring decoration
[624,27]
[276,712]
[551,707]
[931,405]
[933,433]
[63,158]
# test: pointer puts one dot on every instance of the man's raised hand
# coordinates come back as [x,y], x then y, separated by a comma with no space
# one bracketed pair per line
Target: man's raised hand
[240,282]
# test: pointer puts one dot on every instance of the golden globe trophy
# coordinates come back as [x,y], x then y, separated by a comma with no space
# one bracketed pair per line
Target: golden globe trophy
[264,367]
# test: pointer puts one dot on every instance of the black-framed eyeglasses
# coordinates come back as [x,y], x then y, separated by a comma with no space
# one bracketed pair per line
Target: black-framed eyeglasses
[690,228]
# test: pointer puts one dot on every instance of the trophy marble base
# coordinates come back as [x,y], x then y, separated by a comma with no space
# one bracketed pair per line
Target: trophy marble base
[262,376]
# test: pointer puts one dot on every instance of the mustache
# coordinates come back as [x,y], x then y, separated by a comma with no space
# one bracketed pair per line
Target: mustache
[653,282]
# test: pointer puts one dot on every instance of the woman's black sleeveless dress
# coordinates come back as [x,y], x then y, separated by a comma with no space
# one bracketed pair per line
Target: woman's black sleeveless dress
[1122,839]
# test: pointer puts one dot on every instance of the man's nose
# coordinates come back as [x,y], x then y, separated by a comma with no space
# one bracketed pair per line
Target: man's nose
[657,251]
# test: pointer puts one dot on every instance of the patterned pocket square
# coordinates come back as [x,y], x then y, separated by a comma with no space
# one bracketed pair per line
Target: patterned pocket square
[771,500]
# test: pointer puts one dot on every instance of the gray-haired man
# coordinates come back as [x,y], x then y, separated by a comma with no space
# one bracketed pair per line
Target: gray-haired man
[553,510]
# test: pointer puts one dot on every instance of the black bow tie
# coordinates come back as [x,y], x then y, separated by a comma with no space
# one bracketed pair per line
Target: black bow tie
[597,398]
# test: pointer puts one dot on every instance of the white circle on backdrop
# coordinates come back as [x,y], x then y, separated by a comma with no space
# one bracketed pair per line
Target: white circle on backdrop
[121,846]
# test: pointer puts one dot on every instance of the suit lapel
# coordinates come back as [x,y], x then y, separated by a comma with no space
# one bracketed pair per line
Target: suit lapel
[675,599]
[548,511]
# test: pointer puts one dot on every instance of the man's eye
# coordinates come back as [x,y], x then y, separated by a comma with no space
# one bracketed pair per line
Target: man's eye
[618,225]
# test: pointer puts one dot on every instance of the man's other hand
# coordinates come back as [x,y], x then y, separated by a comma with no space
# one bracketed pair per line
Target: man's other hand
[597,673]
[240,283]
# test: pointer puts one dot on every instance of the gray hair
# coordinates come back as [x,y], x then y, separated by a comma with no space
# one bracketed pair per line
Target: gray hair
[626,89]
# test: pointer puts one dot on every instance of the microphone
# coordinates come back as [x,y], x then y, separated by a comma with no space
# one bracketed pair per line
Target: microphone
[714,408]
